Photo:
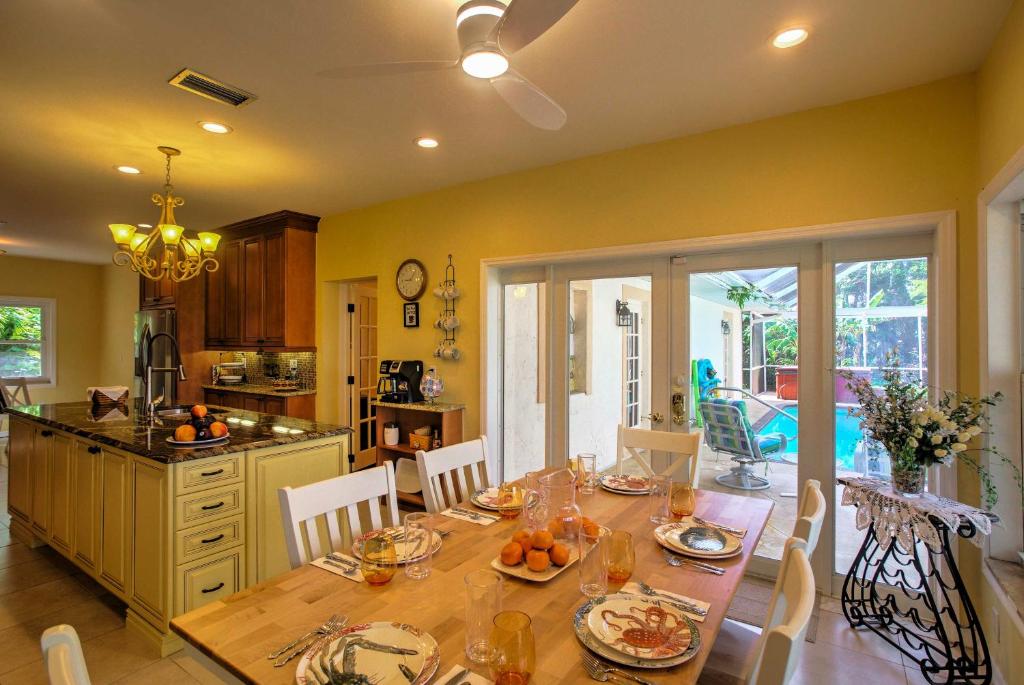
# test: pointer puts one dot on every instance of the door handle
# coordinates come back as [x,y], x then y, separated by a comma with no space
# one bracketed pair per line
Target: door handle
[655,417]
[678,408]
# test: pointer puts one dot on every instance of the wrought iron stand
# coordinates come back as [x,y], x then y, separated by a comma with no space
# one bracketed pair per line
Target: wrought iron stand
[948,648]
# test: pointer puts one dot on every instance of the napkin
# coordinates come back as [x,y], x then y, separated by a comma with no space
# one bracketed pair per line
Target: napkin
[470,677]
[484,519]
[356,577]
[634,589]
[112,392]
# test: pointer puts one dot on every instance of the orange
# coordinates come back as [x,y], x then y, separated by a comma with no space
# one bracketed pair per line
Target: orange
[555,527]
[538,560]
[522,538]
[542,539]
[559,554]
[218,429]
[199,411]
[511,554]
[185,433]
[590,529]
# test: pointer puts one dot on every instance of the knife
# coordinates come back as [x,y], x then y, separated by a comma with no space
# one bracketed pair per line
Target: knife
[457,678]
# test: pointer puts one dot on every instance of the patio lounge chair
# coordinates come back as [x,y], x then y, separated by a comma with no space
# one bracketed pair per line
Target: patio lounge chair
[727,429]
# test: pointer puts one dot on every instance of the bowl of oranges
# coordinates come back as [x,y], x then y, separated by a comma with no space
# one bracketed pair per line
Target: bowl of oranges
[536,556]
[199,430]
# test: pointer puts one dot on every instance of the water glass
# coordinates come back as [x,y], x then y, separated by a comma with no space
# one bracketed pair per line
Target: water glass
[510,500]
[378,559]
[621,556]
[682,500]
[586,470]
[593,564]
[661,490]
[483,603]
[513,652]
[419,543]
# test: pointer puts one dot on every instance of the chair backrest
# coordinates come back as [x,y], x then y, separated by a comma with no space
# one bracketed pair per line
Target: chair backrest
[443,473]
[684,444]
[62,654]
[789,613]
[15,392]
[810,515]
[327,501]
[727,429]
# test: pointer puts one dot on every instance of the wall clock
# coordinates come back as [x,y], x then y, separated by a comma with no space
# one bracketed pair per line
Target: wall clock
[411,279]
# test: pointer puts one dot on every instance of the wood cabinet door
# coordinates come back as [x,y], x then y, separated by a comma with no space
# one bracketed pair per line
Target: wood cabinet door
[42,447]
[213,397]
[275,405]
[19,487]
[232,301]
[62,503]
[86,488]
[156,294]
[115,520]
[253,278]
[214,305]
[273,321]
[252,403]
[150,558]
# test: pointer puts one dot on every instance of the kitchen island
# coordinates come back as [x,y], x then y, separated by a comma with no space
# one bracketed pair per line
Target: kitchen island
[164,529]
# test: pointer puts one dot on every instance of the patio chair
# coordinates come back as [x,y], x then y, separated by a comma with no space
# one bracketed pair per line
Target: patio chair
[727,429]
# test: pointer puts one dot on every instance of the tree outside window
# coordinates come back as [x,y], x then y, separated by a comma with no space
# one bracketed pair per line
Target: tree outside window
[25,342]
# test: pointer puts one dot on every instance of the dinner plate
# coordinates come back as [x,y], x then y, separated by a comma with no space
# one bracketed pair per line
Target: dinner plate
[640,626]
[625,485]
[701,542]
[198,443]
[590,641]
[404,552]
[521,570]
[486,499]
[419,654]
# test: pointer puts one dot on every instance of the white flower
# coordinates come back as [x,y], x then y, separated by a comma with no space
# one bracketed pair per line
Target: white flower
[974,430]
[964,436]
[911,442]
[958,447]
[918,433]
[941,453]
[936,439]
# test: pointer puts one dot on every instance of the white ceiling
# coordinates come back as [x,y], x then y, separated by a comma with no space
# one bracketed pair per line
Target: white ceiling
[84,88]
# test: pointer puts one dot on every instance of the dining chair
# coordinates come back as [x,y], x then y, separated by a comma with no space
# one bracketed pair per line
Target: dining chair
[62,653]
[727,429]
[327,501]
[15,392]
[631,440]
[443,473]
[751,655]
[810,515]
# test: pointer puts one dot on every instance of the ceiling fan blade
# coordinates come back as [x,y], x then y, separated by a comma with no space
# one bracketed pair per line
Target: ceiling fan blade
[529,101]
[388,68]
[525,20]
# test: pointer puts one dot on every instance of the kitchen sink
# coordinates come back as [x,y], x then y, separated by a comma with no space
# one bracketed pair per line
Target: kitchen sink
[185,411]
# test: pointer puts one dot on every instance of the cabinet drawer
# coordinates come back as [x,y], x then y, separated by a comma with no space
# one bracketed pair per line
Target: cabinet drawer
[208,580]
[202,541]
[207,473]
[208,505]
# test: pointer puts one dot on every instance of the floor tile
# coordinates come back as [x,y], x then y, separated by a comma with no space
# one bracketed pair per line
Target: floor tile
[196,670]
[834,630]
[165,672]
[825,663]
[32,573]
[23,605]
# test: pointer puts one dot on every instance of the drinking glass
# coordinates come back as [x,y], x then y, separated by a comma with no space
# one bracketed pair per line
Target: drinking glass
[419,543]
[682,500]
[593,565]
[513,654]
[586,470]
[483,603]
[379,562]
[621,556]
[661,489]
[510,500]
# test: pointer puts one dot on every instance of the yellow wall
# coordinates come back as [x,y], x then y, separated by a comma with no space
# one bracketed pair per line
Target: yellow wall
[120,302]
[1001,97]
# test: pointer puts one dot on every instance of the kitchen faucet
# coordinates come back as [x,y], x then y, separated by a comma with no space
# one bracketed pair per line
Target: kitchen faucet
[179,369]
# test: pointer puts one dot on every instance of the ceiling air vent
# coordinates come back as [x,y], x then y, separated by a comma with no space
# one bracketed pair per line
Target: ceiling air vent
[211,88]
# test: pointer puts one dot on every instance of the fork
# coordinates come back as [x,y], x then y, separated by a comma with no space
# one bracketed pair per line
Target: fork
[325,628]
[689,606]
[676,560]
[321,633]
[601,672]
[725,529]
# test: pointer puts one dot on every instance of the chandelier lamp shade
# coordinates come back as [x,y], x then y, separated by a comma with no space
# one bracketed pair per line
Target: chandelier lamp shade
[166,251]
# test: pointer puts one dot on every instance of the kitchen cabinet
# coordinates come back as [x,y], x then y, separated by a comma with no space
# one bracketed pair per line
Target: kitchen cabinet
[115,519]
[61,465]
[42,448]
[294,406]
[19,487]
[156,294]
[86,506]
[261,296]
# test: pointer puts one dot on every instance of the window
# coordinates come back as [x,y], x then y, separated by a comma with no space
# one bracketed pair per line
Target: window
[26,339]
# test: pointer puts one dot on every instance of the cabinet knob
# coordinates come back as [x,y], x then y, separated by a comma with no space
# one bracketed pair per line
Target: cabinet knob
[46,434]
[94,449]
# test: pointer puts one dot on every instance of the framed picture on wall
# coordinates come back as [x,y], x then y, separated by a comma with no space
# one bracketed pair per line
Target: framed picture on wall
[412,314]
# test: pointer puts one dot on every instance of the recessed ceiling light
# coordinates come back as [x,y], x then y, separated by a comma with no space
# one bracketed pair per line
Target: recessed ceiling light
[485,63]
[145,225]
[428,143]
[215,127]
[125,169]
[791,37]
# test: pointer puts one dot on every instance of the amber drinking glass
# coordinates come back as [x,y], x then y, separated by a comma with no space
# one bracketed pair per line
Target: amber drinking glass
[513,654]
[621,556]
[379,560]
[510,500]
[682,500]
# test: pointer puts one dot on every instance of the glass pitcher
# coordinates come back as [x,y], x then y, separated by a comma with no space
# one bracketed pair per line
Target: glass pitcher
[554,507]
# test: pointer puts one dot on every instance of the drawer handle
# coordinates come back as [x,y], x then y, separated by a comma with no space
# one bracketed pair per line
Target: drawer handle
[94,449]
[218,505]
[46,434]
[214,588]
[207,474]
[213,539]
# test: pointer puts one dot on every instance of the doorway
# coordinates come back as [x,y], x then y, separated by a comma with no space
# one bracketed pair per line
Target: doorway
[362,376]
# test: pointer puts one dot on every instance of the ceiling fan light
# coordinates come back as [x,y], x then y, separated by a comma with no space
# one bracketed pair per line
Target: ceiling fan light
[486,63]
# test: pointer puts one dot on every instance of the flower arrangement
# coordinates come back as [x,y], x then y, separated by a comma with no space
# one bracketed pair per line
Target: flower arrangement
[919,433]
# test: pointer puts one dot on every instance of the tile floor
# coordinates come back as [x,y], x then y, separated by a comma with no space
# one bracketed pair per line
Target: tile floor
[38,588]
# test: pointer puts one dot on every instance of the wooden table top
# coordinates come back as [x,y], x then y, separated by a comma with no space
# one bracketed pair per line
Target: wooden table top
[239,631]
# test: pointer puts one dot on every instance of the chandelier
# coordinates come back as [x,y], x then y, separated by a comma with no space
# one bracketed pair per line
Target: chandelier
[165,252]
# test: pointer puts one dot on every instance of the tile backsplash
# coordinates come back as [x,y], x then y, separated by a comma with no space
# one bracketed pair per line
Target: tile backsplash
[262,368]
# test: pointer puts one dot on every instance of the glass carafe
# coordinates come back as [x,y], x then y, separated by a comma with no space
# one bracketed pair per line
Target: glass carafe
[557,498]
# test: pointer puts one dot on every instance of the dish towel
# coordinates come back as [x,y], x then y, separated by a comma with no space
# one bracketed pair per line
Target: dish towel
[340,569]
[479,519]
[634,589]
[470,678]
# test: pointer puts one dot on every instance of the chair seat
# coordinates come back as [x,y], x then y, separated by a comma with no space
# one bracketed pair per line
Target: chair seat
[769,443]
[730,659]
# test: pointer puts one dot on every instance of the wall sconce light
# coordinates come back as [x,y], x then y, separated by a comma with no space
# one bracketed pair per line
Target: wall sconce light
[623,317]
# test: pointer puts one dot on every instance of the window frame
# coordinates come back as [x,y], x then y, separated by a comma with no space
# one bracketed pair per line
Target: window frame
[48,356]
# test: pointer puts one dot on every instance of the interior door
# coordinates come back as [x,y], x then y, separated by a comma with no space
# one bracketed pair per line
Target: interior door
[363,364]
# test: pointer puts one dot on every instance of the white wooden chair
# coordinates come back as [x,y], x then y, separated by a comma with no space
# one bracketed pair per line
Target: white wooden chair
[631,440]
[62,654]
[810,515]
[13,393]
[305,506]
[752,656]
[443,473]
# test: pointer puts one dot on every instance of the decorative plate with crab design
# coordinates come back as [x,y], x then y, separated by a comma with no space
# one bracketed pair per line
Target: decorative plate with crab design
[378,653]
[625,485]
[640,626]
[581,626]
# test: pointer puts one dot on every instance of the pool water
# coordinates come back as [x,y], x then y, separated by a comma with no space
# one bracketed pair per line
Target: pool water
[847,434]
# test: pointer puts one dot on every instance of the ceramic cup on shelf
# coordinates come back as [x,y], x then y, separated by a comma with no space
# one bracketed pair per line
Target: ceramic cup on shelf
[450,322]
[439,323]
[439,352]
[451,292]
[439,291]
[451,353]
[391,435]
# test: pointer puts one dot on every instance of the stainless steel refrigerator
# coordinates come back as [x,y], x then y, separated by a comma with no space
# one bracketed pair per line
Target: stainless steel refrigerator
[147,324]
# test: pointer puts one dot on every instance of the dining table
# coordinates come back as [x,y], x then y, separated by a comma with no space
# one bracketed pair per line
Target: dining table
[234,635]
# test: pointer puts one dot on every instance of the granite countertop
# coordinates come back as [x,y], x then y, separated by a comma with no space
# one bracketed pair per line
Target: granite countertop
[130,432]
[253,389]
[439,407]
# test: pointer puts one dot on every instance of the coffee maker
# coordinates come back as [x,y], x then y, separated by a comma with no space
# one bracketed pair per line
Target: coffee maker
[400,381]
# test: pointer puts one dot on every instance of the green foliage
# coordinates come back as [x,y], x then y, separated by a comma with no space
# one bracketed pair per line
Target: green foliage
[780,342]
[742,294]
[21,323]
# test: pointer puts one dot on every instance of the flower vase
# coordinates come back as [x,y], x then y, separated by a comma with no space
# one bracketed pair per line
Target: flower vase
[908,481]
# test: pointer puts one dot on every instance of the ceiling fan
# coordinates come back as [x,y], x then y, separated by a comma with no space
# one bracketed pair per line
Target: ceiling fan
[489,32]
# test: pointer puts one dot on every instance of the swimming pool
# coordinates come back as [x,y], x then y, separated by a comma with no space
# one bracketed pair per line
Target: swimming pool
[847,434]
